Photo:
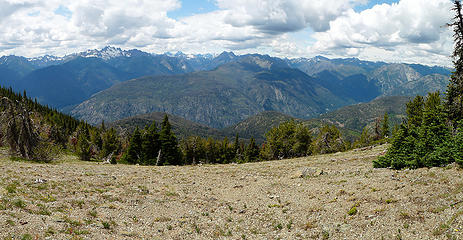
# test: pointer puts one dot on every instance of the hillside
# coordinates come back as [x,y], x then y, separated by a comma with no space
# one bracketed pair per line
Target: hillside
[365,80]
[266,200]
[357,116]
[256,126]
[217,98]
[181,127]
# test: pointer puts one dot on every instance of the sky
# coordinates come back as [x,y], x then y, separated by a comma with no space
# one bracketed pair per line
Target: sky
[412,31]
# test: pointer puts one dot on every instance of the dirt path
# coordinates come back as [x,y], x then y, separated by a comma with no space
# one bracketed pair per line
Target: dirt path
[249,201]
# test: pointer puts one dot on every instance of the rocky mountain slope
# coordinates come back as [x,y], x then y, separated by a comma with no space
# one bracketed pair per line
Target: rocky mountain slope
[217,98]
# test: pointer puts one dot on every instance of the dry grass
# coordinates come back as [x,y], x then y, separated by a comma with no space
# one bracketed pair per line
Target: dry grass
[266,200]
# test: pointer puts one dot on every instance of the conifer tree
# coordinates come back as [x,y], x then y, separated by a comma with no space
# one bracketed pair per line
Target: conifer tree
[134,151]
[150,145]
[385,126]
[434,135]
[251,154]
[364,140]
[84,150]
[170,152]
[302,141]
[457,147]
[329,140]
[414,110]
[111,143]
[454,103]
[236,149]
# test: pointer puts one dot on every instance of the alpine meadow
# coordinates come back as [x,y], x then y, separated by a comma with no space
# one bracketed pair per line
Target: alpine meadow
[231,119]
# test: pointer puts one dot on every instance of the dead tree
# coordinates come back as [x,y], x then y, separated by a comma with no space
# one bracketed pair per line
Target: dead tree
[20,134]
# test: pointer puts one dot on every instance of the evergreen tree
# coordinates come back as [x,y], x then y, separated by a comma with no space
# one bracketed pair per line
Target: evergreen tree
[150,145]
[236,149]
[421,144]
[95,138]
[385,126]
[434,135]
[170,151]
[401,153]
[134,151]
[414,110]
[287,140]
[329,140]
[457,148]
[302,141]
[84,150]
[364,140]
[111,143]
[251,154]
[454,103]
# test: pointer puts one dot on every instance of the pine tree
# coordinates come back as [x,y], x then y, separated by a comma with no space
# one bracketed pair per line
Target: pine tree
[251,154]
[84,150]
[302,141]
[457,148]
[454,103]
[402,152]
[236,149]
[414,110]
[170,152]
[150,145]
[329,140]
[134,151]
[385,126]
[434,135]
[364,140]
[111,143]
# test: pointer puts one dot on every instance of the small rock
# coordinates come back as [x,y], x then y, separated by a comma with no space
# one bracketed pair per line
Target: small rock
[310,172]
[39,180]
[274,196]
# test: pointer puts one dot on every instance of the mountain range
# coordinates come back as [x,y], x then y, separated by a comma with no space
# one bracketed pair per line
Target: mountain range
[214,90]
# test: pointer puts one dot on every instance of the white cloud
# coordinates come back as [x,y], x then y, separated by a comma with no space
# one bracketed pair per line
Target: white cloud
[410,30]
[281,16]
[404,31]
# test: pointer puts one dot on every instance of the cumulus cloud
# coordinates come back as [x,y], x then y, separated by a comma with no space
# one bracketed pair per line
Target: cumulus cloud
[410,30]
[54,26]
[281,16]
[395,31]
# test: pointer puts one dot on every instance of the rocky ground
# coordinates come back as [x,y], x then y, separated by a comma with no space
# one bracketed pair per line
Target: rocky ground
[337,196]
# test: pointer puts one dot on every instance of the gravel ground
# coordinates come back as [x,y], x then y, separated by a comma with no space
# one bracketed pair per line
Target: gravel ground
[336,196]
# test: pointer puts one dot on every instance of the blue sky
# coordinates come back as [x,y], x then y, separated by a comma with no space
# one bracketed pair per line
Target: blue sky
[383,30]
[192,7]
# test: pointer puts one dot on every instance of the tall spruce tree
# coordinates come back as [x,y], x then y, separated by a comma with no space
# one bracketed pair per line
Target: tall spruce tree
[251,154]
[134,150]
[84,150]
[150,145]
[111,143]
[170,151]
[454,103]
[434,134]
[385,126]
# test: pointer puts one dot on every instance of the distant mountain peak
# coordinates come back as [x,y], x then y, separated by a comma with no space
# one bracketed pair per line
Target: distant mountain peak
[45,58]
[105,53]
[225,54]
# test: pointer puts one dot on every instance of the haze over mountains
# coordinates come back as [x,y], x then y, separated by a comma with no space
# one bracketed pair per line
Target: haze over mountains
[218,91]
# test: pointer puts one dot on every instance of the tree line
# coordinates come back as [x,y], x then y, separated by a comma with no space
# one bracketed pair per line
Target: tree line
[37,132]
